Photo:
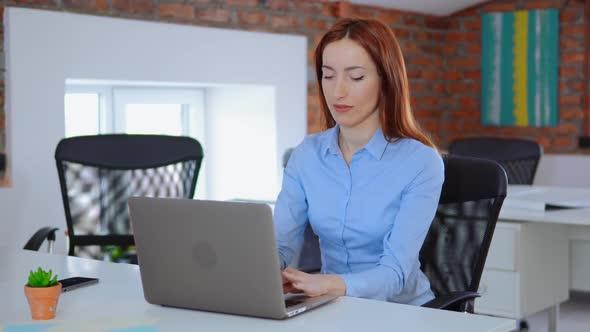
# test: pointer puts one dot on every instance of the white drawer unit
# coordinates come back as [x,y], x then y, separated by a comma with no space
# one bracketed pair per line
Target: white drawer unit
[527,270]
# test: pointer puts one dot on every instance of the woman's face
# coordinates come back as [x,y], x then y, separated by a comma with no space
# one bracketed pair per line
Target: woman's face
[351,84]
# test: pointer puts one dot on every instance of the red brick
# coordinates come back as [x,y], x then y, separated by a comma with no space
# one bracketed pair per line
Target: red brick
[311,7]
[401,33]
[430,74]
[278,4]
[471,126]
[573,100]
[472,48]
[570,72]
[449,49]
[99,5]
[570,15]
[283,22]
[544,141]
[452,75]
[412,19]
[464,62]
[563,142]
[463,36]
[134,6]
[577,57]
[462,87]
[429,126]
[35,2]
[572,30]
[421,36]
[466,114]
[429,101]
[472,25]
[468,102]
[576,86]
[217,15]
[571,114]
[437,23]
[256,18]
[315,24]
[199,1]
[568,43]
[566,128]
[2,121]
[542,4]
[438,88]
[472,74]
[425,61]
[176,10]
[241,3]
[452,127]
[499,7]
[388,17]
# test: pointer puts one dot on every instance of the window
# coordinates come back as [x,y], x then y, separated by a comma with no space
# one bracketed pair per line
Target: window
[91,110]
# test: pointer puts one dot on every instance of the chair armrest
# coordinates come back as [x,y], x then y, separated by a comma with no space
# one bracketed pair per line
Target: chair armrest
[452,299]
[39,237]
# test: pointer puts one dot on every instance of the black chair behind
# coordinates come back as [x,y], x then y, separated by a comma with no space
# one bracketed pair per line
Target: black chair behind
[97,174]
[455,249]
[519,157]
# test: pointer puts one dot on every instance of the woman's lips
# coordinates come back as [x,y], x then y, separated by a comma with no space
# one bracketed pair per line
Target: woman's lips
[341,108]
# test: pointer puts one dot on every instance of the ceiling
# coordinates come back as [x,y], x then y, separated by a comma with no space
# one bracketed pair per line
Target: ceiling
[432,7]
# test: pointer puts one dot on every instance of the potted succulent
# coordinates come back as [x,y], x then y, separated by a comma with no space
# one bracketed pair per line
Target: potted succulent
[42,292]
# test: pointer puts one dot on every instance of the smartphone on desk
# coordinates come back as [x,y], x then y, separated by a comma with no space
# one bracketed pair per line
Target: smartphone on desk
[72,283]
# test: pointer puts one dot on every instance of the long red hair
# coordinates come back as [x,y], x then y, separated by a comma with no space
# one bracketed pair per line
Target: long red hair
[378,40]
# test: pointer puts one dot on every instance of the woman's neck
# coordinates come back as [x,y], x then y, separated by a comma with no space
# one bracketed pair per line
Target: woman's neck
[353,139]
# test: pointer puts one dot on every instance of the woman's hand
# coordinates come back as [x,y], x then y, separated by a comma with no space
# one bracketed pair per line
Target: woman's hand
[312,284]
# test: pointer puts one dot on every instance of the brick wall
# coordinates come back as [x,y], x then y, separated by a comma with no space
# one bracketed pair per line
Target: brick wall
[442,54]
[462,62]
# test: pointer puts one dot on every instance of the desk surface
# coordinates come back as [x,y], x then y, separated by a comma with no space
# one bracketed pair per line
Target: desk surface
[117,301]
[579,216]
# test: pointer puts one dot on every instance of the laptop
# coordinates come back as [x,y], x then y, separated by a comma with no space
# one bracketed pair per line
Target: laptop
[213,256]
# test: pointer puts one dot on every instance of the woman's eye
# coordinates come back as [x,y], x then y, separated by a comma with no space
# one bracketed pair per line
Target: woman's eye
[328,77]
[360,78]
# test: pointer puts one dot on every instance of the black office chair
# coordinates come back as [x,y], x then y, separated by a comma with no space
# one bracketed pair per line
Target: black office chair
[97,174]
[455,249]
[519,157]
[36,241]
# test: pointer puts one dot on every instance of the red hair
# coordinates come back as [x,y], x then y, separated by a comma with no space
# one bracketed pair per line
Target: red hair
[378,40]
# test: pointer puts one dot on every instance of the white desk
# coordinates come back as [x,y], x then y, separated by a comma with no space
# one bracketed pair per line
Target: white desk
[118,299]
[528,265]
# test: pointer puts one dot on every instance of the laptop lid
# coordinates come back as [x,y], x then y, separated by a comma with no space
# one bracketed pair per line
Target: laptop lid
[208,255]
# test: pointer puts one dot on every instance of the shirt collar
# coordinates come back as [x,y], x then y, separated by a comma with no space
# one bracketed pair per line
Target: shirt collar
[376,146]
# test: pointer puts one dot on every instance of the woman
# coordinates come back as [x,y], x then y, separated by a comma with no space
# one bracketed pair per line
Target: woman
[369,184]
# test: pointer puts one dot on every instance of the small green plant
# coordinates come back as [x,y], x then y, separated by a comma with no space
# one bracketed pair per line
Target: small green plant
[41,278]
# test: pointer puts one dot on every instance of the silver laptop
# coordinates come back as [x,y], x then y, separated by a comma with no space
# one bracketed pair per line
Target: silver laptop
[213,256]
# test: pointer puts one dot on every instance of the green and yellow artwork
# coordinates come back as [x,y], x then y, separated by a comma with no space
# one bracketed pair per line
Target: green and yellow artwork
[520,58]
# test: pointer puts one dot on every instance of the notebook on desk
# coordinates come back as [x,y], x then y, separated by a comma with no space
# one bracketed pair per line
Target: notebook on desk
[213,256]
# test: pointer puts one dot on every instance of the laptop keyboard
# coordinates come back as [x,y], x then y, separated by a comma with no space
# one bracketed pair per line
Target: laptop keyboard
[293,302]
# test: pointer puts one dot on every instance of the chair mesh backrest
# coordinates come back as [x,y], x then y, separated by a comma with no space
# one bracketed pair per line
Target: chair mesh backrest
[96,185]
[519,157]
[456,246]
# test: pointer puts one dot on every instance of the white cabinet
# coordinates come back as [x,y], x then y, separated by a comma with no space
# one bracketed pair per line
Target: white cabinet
[527,270]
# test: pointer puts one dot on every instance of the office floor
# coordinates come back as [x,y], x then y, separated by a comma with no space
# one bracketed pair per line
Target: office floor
[574,315]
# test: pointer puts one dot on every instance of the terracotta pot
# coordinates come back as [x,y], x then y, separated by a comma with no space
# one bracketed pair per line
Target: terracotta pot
[43,300]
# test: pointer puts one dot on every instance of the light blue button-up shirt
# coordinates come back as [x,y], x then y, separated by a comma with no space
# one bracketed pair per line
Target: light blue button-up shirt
[371,217]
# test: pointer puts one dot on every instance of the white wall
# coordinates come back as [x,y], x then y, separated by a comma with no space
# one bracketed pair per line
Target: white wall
[242,150]
[44,48]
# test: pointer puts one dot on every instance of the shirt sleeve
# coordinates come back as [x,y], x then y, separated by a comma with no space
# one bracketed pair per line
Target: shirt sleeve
[290,213]
[401,245]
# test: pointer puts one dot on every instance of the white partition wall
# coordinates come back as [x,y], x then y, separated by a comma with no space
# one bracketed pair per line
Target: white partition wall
[45,48]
